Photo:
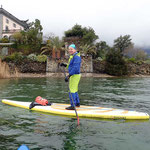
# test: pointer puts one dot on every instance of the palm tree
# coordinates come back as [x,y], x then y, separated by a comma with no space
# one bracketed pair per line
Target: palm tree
[87,49]
[54,44]
[47,48]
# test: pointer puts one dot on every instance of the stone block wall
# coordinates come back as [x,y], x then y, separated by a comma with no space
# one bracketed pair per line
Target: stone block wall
[53,65]
[87,65]
[28,67]
[133,68]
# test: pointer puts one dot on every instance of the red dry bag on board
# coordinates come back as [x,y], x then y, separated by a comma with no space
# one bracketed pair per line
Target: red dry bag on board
[41,101]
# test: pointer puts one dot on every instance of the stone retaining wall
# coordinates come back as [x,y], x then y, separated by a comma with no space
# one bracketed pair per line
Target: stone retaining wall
[133,68]
[139,69]
[88,66]
[53,65]
[28,67]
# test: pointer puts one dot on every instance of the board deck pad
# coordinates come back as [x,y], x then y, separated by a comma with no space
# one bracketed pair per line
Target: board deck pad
[83,111]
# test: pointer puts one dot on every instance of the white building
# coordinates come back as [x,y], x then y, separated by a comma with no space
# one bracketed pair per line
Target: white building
[9,24]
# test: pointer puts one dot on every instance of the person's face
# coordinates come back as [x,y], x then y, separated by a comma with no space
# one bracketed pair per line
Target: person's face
[71,50]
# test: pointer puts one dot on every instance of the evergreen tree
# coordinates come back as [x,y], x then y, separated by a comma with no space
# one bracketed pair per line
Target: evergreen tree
[123,42]
[29,41]
[102,49]
[87,35]
[115,63]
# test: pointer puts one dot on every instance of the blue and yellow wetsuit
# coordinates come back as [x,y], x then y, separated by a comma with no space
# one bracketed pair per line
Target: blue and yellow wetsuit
[73,66]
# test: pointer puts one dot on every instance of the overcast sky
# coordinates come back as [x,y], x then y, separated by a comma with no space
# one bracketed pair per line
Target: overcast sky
[109,18]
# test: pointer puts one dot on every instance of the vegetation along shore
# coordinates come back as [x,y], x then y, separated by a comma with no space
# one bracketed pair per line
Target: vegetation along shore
[31,54]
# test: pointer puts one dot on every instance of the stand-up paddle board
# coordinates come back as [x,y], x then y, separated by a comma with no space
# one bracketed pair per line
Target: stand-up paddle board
[83,111]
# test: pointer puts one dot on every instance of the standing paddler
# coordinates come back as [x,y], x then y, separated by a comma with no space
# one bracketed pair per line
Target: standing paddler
[74,76]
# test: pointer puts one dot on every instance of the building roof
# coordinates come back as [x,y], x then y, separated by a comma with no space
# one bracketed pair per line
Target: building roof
[20,22]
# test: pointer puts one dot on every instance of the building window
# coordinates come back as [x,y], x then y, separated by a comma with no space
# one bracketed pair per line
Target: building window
[7,21]
[6,28]
[14,25]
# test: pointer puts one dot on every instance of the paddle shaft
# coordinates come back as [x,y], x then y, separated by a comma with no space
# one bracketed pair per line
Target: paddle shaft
[71,97]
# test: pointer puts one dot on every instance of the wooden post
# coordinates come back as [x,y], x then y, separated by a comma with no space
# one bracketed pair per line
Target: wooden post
[53,53]
[58,54]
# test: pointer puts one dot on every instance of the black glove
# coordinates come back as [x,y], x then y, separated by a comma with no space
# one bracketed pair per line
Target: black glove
[64,65]
[67,78]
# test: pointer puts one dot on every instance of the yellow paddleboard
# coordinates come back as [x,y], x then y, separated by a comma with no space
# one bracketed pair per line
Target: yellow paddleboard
[83,111]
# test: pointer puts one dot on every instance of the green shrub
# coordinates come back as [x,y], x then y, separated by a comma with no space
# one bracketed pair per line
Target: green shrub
[32,57]
[115,63]
[1,57]
[15,57]
[41,58]
[140,62]
[147,61]
[133,60]
[4,40]
[99,59]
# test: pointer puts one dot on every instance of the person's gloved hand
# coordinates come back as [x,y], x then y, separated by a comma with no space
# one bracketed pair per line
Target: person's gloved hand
[67,78]
[64,65]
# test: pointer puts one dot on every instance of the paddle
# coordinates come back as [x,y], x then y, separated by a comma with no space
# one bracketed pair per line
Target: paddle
[71,97]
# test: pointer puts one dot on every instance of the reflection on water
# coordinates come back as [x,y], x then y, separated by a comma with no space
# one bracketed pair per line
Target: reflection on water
[42,131]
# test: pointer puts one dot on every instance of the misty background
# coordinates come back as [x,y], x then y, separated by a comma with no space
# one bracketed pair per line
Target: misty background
[109,18]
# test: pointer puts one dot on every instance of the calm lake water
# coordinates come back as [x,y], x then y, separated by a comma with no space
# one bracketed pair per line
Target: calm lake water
[45,132]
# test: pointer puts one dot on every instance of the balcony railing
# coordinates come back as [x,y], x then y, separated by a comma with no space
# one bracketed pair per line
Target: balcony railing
[11,31]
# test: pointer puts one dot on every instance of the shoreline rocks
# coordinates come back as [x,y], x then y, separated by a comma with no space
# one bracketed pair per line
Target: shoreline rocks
[84,75]
[36,69]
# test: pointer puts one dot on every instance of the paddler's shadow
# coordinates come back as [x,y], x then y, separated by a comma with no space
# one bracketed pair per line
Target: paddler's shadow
[71,134]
